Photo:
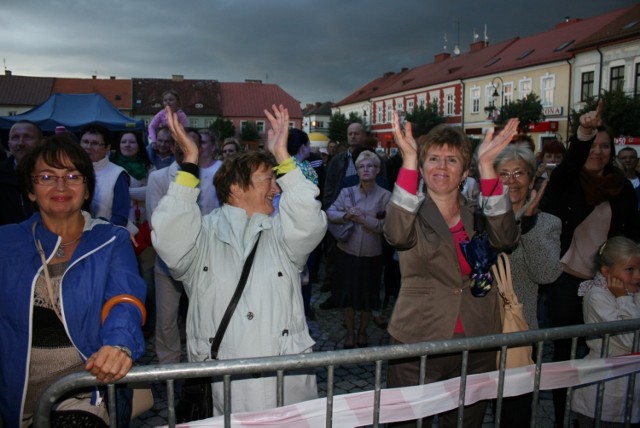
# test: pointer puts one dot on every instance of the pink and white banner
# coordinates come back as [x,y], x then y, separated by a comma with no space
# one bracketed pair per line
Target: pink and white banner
[414,402]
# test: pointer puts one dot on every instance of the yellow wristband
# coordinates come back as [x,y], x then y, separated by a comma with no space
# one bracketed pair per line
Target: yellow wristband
[187,179]
[285,166]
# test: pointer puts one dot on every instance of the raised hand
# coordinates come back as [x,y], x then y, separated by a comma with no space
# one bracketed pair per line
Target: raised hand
[592,119]
[492,145]
[189,148]
[406,143]
[279,132]
[531,207]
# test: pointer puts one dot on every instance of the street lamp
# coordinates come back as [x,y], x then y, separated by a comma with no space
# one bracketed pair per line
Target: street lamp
[495,90]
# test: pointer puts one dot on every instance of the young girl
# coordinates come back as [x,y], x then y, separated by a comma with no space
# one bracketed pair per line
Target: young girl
[612,295]
[170,99]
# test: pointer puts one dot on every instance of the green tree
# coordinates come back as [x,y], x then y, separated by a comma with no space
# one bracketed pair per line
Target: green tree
[338,125]
[621,113]
[249,132]
[528,110]
[424,119]
[223,128]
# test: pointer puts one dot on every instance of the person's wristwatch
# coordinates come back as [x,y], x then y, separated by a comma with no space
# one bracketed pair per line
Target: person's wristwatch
[124,349]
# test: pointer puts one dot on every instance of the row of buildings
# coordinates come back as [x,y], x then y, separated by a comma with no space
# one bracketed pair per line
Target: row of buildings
[203,101]
[564,66]
[577,59]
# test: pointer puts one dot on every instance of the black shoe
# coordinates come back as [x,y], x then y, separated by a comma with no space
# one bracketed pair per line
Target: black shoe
[327,304]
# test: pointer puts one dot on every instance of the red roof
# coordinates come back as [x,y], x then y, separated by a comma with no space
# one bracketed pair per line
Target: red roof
[24,90]
[116,91]
[373,88]
[549,46]
[626,26]
[249,99]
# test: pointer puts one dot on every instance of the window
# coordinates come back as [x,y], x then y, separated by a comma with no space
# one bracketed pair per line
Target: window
[474,93]
[547,86]
[399,105]
[194,123]
[434,97]
[488,96]
[586,89]
[389,105]
[525,54]
[524,87]
[449,103]
[13,113]
[507,93]
[208,123]
[243,124]
[410,105]
[616,82]
[379,113]
[564,45]
[636,89]
[260,126]
[422,100]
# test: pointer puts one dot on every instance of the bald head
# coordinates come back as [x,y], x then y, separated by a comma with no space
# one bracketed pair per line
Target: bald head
[356,135]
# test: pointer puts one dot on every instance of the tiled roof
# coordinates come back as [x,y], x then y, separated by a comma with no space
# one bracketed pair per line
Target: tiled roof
[372,88]
[24,90]
[549,46]
[198,97]
[249,99]
[625,26]
[116,91]
[320,109]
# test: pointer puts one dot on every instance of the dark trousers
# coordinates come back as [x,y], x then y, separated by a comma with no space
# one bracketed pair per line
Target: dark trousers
[406,372]
[565,308]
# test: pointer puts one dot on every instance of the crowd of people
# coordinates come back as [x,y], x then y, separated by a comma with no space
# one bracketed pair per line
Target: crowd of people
[101,234]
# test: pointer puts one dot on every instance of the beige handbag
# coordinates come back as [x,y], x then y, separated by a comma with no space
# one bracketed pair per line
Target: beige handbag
[511,313]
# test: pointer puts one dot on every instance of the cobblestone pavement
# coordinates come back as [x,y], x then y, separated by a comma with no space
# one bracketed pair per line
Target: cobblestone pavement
[328,332]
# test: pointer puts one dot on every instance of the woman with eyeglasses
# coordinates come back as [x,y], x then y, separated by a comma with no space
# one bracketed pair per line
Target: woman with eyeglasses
[359,260]
[595,202]
[536,259]
[58,271]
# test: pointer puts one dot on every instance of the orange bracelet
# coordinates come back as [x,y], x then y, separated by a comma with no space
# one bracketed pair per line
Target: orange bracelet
[123,298]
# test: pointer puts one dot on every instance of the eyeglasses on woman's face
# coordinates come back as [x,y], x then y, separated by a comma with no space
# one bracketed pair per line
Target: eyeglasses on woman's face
[514,175]
[52,180]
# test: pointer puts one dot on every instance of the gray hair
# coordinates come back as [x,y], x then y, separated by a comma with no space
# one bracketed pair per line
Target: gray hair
[515,152]
[368,155]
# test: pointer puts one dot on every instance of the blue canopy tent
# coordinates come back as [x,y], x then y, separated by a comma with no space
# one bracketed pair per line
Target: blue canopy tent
[74,111]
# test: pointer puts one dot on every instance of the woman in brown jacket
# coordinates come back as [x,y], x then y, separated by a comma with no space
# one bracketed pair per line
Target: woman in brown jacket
[435,299]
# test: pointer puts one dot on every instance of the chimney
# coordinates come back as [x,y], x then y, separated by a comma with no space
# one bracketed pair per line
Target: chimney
[404,69]
[177,77]
[7,72]
[94,77]
[479,45]
[388,74]
[441,57]
[112,77]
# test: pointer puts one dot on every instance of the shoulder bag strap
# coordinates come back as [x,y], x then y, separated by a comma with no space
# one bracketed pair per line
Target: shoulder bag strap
[215,342]
[502,273]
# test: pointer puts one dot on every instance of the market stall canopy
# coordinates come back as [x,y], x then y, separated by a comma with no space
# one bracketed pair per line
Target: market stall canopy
[74,111]
[318,140]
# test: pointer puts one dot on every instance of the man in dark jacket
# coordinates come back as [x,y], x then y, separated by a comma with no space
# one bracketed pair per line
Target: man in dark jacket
[15,206]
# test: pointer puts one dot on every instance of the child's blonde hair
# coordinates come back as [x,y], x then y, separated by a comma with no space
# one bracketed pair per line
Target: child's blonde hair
[615,250]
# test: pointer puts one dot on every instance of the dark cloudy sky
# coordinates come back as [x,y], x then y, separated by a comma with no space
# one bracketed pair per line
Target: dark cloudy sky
[316,50]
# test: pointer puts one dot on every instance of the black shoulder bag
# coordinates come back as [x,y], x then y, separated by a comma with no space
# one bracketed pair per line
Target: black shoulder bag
[196,398]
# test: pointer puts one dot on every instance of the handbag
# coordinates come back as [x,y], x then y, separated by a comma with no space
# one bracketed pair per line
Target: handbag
[511,313]
[196,398]
[342,231]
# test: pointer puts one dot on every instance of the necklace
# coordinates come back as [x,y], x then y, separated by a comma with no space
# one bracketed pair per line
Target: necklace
[60,251]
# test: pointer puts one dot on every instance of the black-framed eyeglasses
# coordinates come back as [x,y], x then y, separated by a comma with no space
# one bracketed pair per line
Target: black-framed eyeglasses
[52,180]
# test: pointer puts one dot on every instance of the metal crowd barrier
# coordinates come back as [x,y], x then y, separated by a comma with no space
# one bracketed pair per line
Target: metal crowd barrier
[330,359]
